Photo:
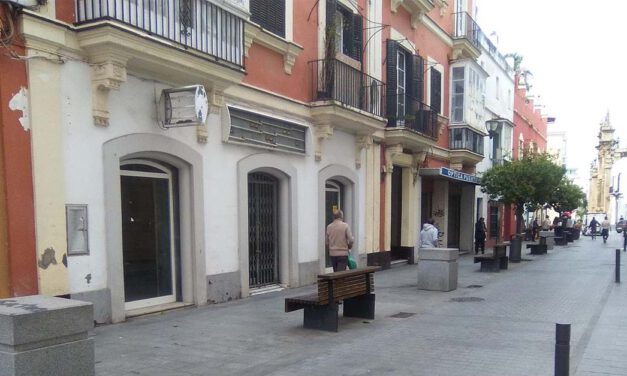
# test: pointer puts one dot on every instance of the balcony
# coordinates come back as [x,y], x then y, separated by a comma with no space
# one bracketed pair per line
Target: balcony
[466,37]
[466,147]
[197,26]
[413,124]
[345,97]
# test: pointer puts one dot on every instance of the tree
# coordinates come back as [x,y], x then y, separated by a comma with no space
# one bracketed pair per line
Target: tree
[529,181]
[567,196]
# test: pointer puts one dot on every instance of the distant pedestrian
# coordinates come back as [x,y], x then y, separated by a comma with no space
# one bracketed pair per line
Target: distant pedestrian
[593,227]
[339,239]
[535,227]
[480,236]
[429,235]
[546,224]
[605,229]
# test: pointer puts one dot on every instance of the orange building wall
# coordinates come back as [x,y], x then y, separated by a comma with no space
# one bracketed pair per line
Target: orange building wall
[18,258]
[265,67]
[528,122]
[65,10]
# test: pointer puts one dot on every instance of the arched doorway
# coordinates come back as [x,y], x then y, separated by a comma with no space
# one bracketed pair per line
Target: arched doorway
[263,233]
[149,231]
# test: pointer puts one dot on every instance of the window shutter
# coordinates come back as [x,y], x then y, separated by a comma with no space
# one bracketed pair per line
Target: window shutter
[358,31]
[330,29]
[269,14]
[417,78]
[436,88]
[390,88]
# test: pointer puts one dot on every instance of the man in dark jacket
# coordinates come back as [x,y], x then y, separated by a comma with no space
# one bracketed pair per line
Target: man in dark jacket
[593,227]
[480,235]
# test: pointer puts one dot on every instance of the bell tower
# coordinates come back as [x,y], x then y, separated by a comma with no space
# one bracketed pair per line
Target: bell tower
[601,169]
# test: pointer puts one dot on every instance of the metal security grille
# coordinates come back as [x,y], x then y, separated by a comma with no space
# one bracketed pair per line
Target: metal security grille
[262,230]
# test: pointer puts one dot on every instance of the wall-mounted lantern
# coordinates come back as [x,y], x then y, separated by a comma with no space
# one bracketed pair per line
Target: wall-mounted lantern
[183,106]
[493,125]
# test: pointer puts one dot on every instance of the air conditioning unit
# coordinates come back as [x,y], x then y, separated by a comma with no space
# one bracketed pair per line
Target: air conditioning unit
[183,107]
[27,3]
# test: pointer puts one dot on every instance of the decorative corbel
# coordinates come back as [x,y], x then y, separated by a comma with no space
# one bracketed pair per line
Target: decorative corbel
[250,33]
[390,153]
[289,58]
[320,132]
[419,159]
[105,76]
[394,4]
[361,142]
[202,134]
[416,19]
[215,97]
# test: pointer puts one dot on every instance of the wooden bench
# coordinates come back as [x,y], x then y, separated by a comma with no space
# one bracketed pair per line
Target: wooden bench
[353,288]
[495,261]
[537,248]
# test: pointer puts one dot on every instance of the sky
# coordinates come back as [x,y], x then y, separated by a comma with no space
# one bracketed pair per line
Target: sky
[575,50]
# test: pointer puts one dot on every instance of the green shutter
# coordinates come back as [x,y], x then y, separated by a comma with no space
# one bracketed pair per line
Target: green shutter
[357,40]
[417,78]
[390,63]
[330,29]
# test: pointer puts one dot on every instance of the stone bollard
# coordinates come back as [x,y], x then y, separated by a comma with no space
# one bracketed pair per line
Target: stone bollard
[549,237]
[42,335]
[437,269]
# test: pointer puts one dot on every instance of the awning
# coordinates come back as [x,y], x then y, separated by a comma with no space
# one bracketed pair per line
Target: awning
[449,174]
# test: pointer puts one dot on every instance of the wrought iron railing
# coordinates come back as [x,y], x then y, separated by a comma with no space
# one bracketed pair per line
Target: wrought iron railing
[338,81]
[466,27]
[414,115]
[195,24]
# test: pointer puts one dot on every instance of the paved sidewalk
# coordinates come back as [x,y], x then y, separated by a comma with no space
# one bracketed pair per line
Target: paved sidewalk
[504,327]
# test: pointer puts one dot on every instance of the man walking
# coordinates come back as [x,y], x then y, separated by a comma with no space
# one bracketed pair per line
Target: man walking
[339,239]
[605,229]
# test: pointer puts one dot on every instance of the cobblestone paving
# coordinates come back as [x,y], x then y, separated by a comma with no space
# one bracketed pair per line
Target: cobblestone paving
[508,330]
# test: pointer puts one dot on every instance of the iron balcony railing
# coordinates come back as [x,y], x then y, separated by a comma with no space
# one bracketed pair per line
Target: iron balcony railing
[413,115]
[338,81]
[466,27]
[194,24]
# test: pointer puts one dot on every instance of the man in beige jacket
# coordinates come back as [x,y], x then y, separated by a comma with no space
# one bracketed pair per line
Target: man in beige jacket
[339,240]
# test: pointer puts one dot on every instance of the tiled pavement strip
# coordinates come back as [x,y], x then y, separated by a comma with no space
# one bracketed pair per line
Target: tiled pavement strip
[510,330]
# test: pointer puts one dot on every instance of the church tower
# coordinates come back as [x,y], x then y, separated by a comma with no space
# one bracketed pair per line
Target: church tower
[601,169]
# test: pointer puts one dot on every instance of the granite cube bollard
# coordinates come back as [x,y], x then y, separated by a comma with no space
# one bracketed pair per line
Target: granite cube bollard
[43,335]
[549,238]
[437,269]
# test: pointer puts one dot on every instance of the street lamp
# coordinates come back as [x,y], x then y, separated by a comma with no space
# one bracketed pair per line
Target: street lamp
[493,125]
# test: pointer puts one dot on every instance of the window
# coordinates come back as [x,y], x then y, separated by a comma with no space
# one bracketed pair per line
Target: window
[269,14]
[348,30]
[457,105]
[498,87]
[400,82]
[466,139]
[268,132]
[435,100]
[405,81]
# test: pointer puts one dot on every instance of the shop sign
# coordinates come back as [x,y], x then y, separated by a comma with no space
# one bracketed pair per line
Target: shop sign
[457,175]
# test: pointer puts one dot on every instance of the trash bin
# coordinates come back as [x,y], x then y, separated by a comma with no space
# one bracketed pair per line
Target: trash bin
[515,247]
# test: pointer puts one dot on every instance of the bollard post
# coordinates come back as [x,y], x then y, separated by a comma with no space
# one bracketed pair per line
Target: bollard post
[562,349]
[617,267]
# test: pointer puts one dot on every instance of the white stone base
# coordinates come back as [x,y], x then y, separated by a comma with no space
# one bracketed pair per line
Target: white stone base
[437,269]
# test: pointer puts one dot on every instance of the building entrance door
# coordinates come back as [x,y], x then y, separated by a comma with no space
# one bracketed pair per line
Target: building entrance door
[148,248]
[263,258]
[396,219]
[454,220]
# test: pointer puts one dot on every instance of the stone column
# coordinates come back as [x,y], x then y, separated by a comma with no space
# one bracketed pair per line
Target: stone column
[467,220]
[42,336]
[440,207]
